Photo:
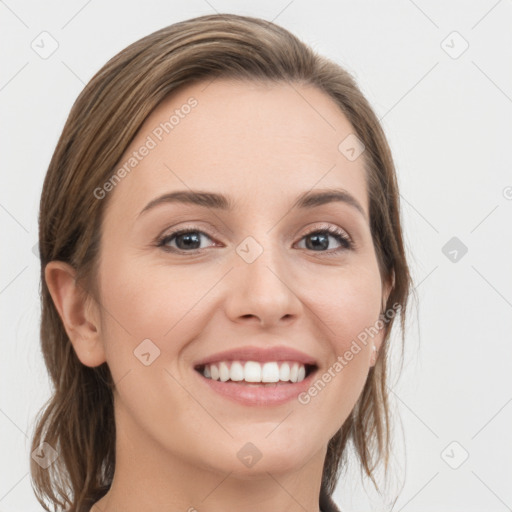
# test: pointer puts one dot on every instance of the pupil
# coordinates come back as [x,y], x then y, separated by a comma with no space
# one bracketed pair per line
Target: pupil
[189,240]
[324,243]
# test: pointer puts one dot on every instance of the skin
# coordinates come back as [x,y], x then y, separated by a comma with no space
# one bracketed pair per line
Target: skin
[177,442]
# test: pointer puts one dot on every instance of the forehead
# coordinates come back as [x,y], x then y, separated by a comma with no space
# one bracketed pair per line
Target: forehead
[260,142]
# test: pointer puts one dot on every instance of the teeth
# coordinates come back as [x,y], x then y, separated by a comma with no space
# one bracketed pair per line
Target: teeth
[294,372]
[223,372]
[270,372]
[284,372]
[252,371]
[236,372]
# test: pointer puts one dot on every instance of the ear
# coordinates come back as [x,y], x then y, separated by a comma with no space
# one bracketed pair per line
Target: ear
[78,311]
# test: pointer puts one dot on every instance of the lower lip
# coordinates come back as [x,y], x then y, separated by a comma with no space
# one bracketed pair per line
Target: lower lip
[257,394]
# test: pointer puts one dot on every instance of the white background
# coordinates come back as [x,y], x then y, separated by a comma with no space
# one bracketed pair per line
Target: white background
[449,123]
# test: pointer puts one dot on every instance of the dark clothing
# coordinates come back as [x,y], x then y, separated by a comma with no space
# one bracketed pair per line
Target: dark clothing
[326,503]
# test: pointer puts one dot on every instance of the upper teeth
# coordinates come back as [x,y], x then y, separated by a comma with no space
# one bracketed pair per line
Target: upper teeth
[252,371]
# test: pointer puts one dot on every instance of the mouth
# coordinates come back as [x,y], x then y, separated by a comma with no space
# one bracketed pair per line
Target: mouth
[251,383]
[254,373]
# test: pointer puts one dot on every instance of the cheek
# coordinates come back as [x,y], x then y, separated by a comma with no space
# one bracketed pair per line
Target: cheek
[349,308]
[153,302]
[338,385]
[348,303]
[148,301]
[147,311]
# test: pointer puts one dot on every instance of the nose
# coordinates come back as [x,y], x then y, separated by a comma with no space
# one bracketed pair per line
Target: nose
[261,286]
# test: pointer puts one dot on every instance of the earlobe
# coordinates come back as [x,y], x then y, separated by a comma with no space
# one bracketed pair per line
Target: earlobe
[78,311]
[373,355]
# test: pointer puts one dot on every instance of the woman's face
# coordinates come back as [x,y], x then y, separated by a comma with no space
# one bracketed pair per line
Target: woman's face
[254,270]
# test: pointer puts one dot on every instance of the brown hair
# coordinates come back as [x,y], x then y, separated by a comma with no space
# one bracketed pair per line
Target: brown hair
[78,419]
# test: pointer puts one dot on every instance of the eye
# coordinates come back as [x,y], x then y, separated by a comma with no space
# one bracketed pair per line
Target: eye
[186,240]
[318,239]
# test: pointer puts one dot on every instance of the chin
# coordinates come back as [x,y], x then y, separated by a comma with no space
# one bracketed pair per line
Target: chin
[255,459]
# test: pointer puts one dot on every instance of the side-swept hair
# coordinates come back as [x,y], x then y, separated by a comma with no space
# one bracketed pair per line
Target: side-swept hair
[78,419]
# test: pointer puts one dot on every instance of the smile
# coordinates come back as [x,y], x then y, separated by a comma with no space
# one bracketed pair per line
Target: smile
[252,383]
[256,372]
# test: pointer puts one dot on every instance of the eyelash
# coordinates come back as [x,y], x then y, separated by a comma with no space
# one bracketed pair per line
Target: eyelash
[345,241]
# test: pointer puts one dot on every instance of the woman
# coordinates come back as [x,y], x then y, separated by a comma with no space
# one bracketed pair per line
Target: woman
[221,265]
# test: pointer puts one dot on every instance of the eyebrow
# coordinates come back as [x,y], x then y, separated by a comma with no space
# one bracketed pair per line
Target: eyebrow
[221,202]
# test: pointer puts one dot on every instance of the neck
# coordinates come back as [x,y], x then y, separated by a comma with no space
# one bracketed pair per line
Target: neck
[149,478]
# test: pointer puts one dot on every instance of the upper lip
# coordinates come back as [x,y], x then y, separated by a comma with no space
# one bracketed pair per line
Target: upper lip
[262,355]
